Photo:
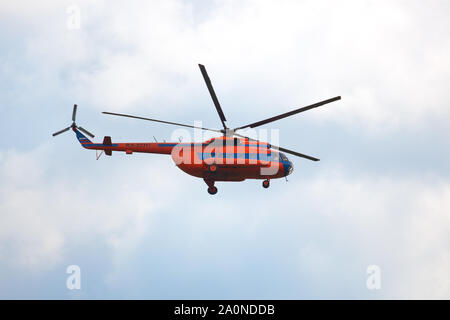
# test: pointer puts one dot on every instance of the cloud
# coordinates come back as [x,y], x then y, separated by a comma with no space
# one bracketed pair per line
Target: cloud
[377,55]
[316,243]
[43,214]
[402,225]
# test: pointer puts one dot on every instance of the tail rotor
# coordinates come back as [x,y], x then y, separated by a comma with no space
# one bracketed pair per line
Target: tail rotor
[73,125]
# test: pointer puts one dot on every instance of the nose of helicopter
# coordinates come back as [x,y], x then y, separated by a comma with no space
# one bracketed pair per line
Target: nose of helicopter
[288,168]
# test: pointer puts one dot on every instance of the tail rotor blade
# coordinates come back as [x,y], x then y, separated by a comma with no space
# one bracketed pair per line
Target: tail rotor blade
[87,132]
[61,131]
[74,113]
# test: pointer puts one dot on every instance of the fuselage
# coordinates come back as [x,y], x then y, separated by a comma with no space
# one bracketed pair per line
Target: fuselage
[234,159]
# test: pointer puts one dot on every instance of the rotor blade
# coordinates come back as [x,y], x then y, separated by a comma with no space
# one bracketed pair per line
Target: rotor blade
[87,132]
[298,154]
[213,95]
[295,153]
[61,131]
[74,113]
[290,113]
[161,121]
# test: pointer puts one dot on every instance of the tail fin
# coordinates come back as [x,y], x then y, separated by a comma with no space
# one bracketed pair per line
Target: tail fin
[85,142]
[107,142]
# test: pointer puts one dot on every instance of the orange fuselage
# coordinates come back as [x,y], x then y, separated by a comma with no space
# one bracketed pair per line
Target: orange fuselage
[235,159]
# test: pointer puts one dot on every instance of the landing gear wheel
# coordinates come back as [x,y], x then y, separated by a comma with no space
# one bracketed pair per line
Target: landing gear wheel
[266,183]
[212,190]
[212,168]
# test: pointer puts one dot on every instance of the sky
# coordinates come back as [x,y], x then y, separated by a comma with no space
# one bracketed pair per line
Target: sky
[139,228]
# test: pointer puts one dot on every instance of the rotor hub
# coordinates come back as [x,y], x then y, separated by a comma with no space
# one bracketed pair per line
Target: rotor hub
[228,132]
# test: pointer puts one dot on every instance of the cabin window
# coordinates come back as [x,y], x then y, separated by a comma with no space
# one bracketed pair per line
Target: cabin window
[237,142]
[275,156]
[217,143]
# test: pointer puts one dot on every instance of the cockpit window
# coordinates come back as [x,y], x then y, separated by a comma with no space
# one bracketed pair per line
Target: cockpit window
[283,157]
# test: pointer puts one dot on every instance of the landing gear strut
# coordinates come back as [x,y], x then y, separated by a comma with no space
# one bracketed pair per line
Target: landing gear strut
[266,183]
[211,188]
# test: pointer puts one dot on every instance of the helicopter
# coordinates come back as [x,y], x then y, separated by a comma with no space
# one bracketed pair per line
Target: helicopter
[229,157]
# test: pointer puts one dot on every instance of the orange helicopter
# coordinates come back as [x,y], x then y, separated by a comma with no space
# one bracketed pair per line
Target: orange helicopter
[230,157]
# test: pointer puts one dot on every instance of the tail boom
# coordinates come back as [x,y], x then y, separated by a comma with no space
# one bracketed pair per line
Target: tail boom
[128,147]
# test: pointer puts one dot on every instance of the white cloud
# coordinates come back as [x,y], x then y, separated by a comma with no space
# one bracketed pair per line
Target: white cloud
[402,225]
[387,59]
[43,214]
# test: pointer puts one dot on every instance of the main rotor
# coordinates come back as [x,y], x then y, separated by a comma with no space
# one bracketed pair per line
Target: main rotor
[227,132]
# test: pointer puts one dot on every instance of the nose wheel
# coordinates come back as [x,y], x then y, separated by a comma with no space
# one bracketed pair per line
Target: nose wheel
[266,183]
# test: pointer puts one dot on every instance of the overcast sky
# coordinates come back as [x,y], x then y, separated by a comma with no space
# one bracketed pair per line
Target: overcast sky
[138,227]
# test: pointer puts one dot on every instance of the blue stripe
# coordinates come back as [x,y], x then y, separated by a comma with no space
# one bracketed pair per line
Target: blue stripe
[102,145]
[253,156]
[171,144]
[181,144]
